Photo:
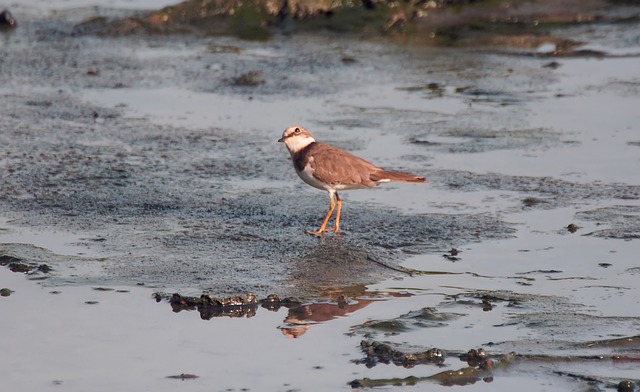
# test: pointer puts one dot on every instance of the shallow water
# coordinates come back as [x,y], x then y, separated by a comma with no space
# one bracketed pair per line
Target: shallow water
[124,342]
[158,174]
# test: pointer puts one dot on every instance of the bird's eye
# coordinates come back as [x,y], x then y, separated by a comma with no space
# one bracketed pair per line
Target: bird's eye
[296,131]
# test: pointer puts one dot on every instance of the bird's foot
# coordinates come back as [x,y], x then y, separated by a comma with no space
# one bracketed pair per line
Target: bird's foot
[323,230]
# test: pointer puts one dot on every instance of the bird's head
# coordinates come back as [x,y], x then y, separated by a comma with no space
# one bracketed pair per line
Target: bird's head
[296,138]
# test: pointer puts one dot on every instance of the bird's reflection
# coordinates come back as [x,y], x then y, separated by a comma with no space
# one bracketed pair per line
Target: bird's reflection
[339,302]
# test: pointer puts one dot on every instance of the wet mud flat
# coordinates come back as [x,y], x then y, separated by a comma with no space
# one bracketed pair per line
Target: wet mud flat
[136,167]
[216,191]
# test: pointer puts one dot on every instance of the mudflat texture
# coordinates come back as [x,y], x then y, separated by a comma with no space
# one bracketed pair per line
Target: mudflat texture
[197,193]
[213,207]
[138,158]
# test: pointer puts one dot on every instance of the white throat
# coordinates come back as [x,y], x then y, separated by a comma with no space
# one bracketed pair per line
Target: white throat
[297,143]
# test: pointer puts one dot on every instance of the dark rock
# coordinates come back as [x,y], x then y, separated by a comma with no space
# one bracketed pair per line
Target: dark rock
[532,201]
[626,386]
[377,352]
[184,376]
[209,306]
[475,357]
[7,21]
[552,65]
[6,260]
[249,79]
[20,267]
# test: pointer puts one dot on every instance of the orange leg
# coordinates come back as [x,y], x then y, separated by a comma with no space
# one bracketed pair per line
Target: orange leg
[323,227]
[338,213]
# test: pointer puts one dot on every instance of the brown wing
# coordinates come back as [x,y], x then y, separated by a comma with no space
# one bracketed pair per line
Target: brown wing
[335,166]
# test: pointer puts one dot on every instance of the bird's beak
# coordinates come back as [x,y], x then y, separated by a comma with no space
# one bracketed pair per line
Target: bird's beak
[281,139]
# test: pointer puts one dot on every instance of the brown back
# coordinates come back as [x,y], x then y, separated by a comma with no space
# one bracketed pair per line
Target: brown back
[333,165]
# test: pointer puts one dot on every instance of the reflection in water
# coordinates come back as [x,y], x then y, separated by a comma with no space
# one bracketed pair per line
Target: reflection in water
[300,316]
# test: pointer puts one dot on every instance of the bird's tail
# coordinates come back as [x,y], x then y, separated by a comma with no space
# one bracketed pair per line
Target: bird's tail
[386,176]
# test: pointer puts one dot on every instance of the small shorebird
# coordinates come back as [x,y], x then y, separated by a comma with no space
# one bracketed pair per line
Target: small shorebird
[332,169]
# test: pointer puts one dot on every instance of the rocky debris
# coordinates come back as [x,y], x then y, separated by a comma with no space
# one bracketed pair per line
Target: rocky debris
[7,21]
[376,352]
[6,260]
[626,386]
[452,255]
[506,23]
[18,265]
[5,292]
[249,79]
[475,357]
[184,376]
[235,306]
[480,366]
[274,303]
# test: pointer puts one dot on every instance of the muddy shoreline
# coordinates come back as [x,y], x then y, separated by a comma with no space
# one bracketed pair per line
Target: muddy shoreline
[134,167]
[159,195]
[165,202]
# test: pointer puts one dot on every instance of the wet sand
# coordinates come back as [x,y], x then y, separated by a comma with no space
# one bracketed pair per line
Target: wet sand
[139,164]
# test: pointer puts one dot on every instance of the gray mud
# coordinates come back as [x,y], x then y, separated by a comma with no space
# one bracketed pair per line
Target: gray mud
[162,202]
[152,161]
[192,206]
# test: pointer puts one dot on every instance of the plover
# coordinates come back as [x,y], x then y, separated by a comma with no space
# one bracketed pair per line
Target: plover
[332,169]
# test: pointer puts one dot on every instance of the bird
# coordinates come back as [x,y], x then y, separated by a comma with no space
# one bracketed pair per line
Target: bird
[333,169]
